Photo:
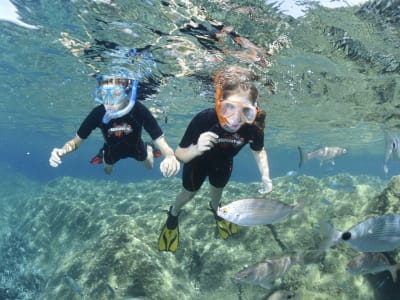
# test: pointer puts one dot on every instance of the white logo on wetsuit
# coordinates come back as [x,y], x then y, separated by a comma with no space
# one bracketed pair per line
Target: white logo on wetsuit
[234,139]
[119,130]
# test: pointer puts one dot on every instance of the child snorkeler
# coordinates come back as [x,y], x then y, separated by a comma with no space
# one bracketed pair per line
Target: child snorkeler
[212,139]
[121,119]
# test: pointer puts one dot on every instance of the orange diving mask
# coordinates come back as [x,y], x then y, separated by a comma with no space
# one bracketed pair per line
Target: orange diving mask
[234,112]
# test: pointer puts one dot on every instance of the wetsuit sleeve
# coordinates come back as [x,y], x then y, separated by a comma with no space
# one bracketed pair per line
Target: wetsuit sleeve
[198,125]
[257,143]
[150,124]
[91,122]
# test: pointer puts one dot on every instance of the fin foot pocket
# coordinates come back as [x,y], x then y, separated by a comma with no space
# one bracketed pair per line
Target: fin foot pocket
[224,227]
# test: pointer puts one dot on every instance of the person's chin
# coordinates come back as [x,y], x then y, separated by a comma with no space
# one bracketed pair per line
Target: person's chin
[233,127]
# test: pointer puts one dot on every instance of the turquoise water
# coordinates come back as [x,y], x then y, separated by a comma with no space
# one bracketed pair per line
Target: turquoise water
[330,78]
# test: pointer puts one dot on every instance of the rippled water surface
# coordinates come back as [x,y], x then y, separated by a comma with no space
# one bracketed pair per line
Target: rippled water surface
[329,78]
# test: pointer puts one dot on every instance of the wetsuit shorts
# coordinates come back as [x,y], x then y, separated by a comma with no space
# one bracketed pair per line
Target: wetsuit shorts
[195,172]
[115,152]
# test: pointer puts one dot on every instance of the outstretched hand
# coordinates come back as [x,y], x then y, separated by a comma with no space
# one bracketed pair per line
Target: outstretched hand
[169,166]
[55,157]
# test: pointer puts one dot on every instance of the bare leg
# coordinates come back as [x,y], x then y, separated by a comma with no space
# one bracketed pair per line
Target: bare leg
[148,163]
[216,194]
[108,168]
[183,197]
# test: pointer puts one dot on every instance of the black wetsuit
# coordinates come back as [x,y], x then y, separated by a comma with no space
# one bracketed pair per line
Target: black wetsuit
[216,163]
[123,136]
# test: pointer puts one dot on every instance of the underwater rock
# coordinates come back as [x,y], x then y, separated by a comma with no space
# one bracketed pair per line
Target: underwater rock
[103,236]
[20,278]
[388,9]
[388,201]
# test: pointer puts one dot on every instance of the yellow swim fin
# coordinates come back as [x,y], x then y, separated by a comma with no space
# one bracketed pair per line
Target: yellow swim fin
[224,227]
[169,237]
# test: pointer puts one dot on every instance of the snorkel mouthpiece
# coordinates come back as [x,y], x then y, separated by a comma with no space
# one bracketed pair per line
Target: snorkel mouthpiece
[109,115]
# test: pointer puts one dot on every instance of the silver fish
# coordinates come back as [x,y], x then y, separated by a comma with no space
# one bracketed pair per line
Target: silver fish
[266,272]
[324,154]
[377,234]
[253,212]
[282,295]
[371,262]
[73,284]
[392,151]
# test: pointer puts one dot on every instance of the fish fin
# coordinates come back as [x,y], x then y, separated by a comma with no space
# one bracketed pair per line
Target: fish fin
[332,236]
[303,157]
[266,285]
[385,169]
[298,208]
[393,271]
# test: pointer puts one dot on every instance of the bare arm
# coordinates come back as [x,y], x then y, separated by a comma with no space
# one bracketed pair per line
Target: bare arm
[205,142]
[57,153]
[161,144]
[187,154]
[261,159]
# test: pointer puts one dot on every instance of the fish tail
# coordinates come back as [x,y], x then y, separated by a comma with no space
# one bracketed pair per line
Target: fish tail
[393,270]
[298,209]
[302,156]
[332,237]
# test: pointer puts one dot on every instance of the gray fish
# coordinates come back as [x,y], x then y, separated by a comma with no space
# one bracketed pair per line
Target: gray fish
[377,234]
[266,272]
[324,154]
[282,295]
[392,151]
[73,284]
[253,212]
[349,188]
[371,262]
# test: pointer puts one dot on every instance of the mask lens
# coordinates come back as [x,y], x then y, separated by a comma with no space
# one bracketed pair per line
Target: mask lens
[110,95]
[249,113]
[230,108]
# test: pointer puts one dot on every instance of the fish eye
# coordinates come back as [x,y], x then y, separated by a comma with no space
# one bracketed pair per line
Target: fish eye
[346,236]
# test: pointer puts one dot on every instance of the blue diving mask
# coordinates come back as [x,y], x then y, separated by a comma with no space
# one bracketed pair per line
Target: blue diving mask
[112,95]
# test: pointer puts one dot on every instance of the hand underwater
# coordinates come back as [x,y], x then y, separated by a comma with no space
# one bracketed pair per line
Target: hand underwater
[170,166]
[55,157]
[206,141]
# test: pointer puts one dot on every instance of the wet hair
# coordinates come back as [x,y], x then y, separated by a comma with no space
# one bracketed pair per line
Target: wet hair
[238,80]
[234,80]
[234,75]
[116,81]
[240,88]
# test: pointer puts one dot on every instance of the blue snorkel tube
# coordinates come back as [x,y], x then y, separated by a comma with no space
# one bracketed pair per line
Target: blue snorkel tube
[108,116]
